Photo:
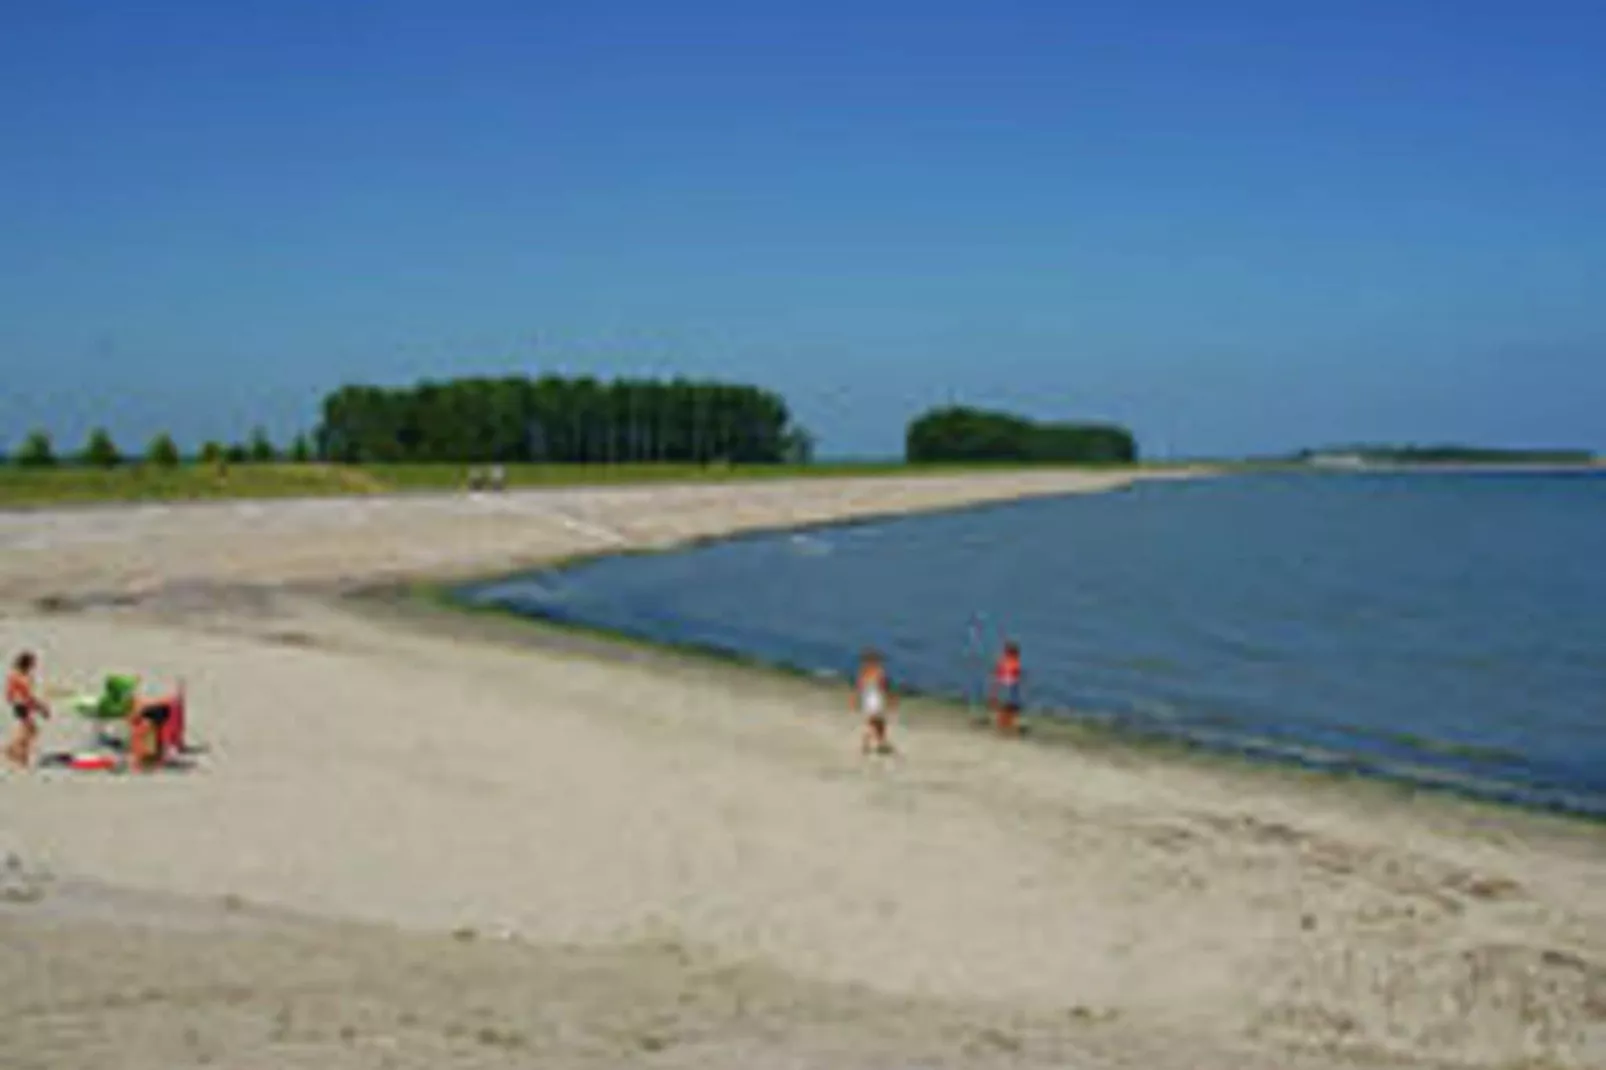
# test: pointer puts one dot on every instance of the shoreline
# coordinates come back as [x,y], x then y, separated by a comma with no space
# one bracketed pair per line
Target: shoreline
[433,604]
[443,594]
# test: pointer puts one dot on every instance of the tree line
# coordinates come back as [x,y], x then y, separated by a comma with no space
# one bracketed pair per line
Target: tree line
[38,450]
[506,420]
[1447,453]
[960,434]
[557,420]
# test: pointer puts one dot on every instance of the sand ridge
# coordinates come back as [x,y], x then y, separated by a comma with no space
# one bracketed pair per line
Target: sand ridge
[109,550]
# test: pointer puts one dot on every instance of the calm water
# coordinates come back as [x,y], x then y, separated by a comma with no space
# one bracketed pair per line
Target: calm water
[1447,627]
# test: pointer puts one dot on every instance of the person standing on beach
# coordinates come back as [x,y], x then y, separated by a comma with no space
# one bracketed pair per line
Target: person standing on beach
[1006,683]
[25,705]
[872,696]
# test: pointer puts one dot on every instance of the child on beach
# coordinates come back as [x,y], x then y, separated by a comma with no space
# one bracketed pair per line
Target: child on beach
[25,705]
[872,697]
[1006,690]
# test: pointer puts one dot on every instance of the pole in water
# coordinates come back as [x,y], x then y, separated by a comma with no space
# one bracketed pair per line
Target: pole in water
[977,659]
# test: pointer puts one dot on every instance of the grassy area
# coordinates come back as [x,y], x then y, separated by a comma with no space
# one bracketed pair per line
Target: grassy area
[74,485]
[66,485]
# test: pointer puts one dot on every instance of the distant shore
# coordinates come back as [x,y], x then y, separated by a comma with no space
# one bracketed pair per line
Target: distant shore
[1430,467]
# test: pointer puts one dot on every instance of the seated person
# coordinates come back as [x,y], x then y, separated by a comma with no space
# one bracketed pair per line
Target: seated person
[156,726]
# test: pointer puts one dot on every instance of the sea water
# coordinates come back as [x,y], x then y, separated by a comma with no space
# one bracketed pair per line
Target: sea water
[1442,628]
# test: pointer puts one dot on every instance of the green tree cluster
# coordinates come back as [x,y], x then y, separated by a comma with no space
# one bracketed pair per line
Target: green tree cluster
[260,449]
[960,434]
[162,452]
[37,451]
[551,419]
[100,451]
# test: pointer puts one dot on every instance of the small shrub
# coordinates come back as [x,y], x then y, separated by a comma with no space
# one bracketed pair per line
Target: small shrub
[213,457]
[162,452]
[36,451]
[261,450]
[100,451]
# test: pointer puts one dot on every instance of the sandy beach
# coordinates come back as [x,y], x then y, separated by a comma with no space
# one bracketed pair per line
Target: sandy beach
[422,840]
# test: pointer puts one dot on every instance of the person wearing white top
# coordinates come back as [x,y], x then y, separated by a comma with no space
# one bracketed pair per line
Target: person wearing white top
[873,698]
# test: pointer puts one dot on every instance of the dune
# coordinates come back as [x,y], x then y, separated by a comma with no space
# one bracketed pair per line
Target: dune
[421,839]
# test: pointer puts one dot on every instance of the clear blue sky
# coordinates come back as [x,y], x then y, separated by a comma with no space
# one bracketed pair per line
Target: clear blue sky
[1235,226]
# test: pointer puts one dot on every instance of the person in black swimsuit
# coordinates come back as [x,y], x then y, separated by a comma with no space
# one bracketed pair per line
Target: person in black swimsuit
[25,705]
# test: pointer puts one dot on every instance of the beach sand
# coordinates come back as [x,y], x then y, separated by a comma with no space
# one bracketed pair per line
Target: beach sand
[424,839]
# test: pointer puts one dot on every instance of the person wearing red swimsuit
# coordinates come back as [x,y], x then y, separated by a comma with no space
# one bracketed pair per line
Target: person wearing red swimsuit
[1006,698]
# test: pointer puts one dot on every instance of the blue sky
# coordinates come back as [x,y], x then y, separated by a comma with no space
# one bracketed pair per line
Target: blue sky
[1236,227]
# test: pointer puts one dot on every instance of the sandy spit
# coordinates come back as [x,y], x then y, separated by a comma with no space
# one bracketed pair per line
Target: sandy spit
[133,549]
[409,845]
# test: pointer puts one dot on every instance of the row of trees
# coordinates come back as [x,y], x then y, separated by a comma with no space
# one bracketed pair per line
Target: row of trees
[514,420]
[959,434]
[100,451]
[551,419]
[508,420]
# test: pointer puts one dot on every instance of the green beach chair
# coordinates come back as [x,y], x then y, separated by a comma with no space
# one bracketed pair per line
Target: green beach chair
[108,711]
